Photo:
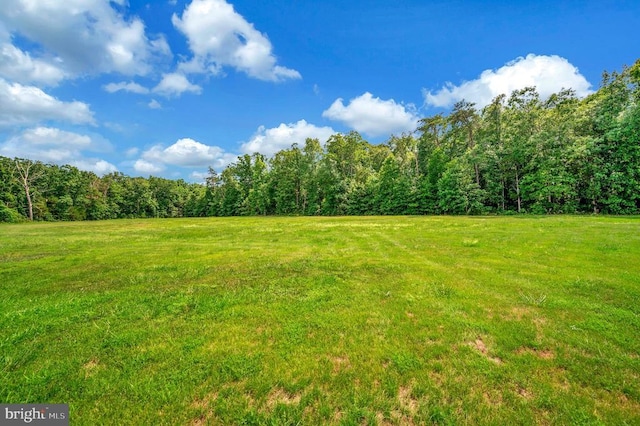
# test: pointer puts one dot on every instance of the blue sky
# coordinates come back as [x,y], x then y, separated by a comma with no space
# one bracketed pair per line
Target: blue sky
[168,88]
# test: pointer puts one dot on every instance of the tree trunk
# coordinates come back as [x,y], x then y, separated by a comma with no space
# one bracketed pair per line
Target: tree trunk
[26,188]
[23,170]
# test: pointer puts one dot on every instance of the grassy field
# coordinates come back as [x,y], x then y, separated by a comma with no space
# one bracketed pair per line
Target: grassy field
[394,320]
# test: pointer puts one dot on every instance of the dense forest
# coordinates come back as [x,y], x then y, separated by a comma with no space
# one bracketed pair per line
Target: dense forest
[519,154]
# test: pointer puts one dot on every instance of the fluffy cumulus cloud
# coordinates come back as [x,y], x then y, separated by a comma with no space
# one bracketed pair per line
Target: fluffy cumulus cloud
[220,37]
[95,165]
[78,37]
[126,87]
[185,152]
[269,141]
[549,74]
[175,84]
[57,146]
[147,167]
[28,105]
[373,116]
[19,66]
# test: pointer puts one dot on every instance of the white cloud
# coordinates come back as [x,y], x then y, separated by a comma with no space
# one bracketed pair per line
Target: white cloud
[175,84]
[19,66]
[269,141]
[143,166]
[549,74]
[185,152]
[43,136]
[161,46]
[97,166]
[127,87]
[24,105]
[373,116]
[88,36]
[220,37]
[153,104]
[57,146]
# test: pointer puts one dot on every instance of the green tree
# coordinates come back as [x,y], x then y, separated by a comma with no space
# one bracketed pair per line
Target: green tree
[9,190]
[551,182]
[458,193]
[345,173]
[287,178]
[613,172]
[521,122]
[256,199]
[311,189]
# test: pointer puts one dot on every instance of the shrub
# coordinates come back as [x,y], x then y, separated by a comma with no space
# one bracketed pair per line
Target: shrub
[9,215]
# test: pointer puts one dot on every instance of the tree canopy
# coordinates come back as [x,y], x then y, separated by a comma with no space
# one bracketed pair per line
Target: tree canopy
[519,154]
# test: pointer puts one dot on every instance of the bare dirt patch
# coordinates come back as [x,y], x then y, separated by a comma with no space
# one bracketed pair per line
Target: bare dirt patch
[524,393]
[481,347]
[540,353]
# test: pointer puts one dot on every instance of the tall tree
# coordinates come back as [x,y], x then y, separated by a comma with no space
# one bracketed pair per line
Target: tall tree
[464,122]
[491,142]
[28,171]
[614,172]
[522,121]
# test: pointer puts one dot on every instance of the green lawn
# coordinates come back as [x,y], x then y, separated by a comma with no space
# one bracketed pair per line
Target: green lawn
[392,320]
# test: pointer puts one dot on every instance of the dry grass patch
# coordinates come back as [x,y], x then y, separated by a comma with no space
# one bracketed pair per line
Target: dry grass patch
[91,367]
[517,313]
[204,405]
[280,396]
[524,393]
[481,347]
[340,363]
[540,353]
[406,400]
[205,401]
[493,398]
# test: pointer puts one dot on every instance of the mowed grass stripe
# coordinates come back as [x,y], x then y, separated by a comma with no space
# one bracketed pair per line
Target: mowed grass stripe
[377,320]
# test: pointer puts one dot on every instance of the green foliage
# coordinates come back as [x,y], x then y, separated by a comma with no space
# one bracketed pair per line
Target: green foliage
[458,193]
[9,215]
[519,154]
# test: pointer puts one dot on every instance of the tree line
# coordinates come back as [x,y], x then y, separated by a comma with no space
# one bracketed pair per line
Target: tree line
[519,154]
